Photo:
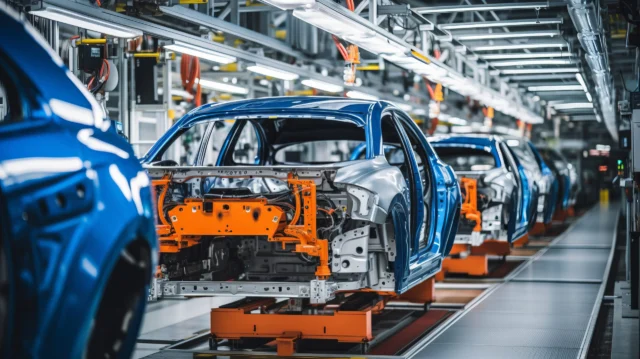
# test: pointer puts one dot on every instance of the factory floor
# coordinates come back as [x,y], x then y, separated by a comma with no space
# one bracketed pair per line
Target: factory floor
[544,304]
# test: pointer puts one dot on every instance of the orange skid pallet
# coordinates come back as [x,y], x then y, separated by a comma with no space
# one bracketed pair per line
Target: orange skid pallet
[343,326]
[476,261]
[347,326]
[538,229]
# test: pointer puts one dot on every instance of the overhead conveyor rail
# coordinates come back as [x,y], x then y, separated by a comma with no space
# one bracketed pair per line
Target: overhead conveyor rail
[547,308]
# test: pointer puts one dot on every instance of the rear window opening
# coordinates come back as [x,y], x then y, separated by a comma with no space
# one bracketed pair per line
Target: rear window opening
[466,159]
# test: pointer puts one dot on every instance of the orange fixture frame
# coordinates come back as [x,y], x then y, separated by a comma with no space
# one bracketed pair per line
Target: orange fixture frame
[469,208]
[230,217]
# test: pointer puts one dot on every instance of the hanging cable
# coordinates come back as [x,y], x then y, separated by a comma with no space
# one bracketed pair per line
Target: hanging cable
[189,73]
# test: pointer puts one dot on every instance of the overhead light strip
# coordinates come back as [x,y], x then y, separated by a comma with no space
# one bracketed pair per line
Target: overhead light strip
[533,62]
[554,88]
[504,23]
[200,52]
[361,96]
[271,72]
[525,55]
[86,22]
[506,35]
[537,71]
[573,106]
[581,81]
[323,86]
[223,87]
[523,46]
[482,7]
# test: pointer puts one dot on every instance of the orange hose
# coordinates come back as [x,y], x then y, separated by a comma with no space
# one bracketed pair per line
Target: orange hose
[189,72]
[432,94]
[296,215]
[163,194]
[341,48]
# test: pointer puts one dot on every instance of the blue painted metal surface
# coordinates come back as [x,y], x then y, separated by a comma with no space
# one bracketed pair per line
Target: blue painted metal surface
[368,115]
[73,197]
[553,192]
[558,165]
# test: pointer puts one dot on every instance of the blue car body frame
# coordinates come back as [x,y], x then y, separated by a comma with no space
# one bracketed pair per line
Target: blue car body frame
[553,192]
[368,115]
[65,217]
[490,144]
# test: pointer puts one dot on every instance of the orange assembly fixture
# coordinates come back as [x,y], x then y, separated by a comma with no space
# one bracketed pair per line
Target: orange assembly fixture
[469,207]
[198,217]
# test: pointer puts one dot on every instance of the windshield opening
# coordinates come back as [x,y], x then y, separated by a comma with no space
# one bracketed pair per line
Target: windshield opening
[263,141]
[466,159]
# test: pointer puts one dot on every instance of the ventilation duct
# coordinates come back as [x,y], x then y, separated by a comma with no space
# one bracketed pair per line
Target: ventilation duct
[586,18]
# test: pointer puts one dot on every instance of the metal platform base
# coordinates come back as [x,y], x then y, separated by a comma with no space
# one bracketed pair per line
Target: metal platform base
[545,309]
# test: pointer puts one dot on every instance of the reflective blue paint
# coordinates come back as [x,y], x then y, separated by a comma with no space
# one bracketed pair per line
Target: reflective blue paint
[368,115]
[553,192]
[61,257]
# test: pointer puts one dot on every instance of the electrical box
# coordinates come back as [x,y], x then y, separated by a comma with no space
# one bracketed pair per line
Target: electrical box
[146,77]
[635,131]
[90,58]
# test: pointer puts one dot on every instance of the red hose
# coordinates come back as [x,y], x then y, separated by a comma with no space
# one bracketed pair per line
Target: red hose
[341,48]
[189,72]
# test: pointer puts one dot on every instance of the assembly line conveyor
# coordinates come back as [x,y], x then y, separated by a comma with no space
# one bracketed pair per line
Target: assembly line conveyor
[545,308]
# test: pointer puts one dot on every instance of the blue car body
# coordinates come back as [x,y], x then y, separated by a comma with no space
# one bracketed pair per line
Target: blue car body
[511,183]
[411,261]
[559,166]
[73,201]
[553,191]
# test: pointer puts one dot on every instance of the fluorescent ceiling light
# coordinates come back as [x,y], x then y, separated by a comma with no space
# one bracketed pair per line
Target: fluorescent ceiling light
[555,88]
[329,20]
[413,63]
[589,97]
[86,22]
[270,71]
[581,81]
[200,52]
[524,55]
[223,87]
[504,23]
[537,71]
[506,35]
[481,7]
[323,86]
[572,106]
[361,96]
[289,4]
[524,46]
[456,121]
[534,62]
[404,106]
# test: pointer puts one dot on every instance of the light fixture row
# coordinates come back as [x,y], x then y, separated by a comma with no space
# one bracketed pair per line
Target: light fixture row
[324,17]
